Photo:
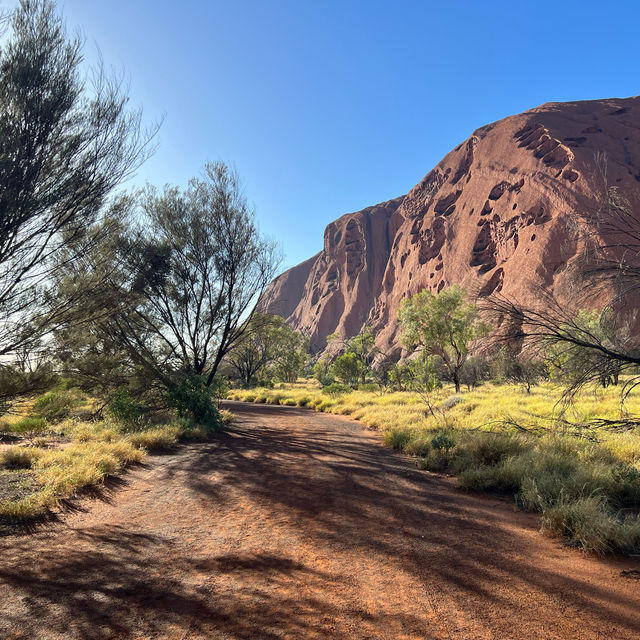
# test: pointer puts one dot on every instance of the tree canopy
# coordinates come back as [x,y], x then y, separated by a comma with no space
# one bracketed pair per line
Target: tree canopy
[443,325]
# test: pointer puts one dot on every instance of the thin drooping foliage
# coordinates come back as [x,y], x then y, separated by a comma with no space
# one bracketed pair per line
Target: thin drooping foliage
[65,143]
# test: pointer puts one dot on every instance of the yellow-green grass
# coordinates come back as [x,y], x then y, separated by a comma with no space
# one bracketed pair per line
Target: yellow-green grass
[79,454]
[584,483]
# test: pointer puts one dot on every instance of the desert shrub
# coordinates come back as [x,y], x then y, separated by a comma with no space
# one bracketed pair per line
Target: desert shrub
[19,457]
[418,444]
[55,406]
[483,448]
[336,389]
[397,438]
[30,427]
[195,401]
[227,417]
[443,441]
[434,460]
[266,383]
[590,524]
[125,408]
[275,398]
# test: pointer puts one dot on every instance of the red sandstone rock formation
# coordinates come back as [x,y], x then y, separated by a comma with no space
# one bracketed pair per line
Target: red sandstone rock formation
[494,215]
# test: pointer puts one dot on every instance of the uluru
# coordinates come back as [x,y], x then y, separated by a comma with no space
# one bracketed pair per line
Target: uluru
[496,214]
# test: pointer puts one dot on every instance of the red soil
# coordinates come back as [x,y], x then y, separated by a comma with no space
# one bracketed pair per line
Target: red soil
[300,525]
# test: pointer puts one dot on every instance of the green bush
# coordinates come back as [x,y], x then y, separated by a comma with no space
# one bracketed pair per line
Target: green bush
[195,401]
[55,406]
[125,408]
[397,438]
[336,389]
[443,441]
[30,427]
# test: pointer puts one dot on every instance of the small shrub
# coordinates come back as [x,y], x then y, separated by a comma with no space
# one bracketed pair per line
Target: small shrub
[125,408]
[452,401]
[587,521]
[55,406]
[227,417]
[156,438]
[433,461]
[419,444]
[30,427]
[194,400]
[336,389]
[443,441]
[397,438]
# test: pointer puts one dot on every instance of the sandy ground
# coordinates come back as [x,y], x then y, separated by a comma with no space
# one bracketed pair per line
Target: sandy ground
[301,525]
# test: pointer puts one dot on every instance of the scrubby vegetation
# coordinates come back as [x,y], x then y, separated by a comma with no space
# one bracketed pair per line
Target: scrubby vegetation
[76,453]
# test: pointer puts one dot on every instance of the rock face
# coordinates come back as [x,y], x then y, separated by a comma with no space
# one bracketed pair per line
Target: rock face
[497,214]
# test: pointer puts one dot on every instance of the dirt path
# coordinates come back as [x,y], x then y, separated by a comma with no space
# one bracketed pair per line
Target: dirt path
[300,525]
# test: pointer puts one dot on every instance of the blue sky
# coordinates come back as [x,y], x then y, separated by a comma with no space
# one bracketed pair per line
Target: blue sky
[325,107]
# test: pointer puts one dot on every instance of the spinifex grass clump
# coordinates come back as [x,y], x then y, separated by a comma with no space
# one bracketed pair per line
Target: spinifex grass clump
[585,483]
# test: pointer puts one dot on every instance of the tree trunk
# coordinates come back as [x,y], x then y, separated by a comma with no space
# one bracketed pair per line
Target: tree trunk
[456,380]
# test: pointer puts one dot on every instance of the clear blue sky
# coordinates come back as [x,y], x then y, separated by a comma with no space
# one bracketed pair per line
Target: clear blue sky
[325,107]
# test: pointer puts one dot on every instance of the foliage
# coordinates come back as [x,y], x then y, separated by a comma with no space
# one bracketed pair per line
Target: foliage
[126,408]
[65,145]
[185,269]
[335,389]
[55,406]
[571,362]
[443,325]
[264,339]
[322,371]
[348,368]
[195,400]
[361,348]
[581,347]
[525,371]
[290,354]
[474,371]
[30,427]
[17,381]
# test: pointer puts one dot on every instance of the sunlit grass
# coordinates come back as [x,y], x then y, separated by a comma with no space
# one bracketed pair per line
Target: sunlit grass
[78,453]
